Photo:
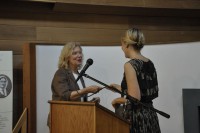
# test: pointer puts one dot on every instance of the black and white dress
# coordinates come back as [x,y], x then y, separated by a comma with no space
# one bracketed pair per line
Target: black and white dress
[143,120]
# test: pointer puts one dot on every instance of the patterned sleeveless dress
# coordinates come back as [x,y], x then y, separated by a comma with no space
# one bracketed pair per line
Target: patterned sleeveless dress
[143,120]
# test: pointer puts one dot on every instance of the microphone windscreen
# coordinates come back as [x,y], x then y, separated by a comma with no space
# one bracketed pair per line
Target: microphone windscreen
[90,61]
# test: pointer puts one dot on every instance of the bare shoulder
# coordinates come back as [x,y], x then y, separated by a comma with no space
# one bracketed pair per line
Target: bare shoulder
[128,67]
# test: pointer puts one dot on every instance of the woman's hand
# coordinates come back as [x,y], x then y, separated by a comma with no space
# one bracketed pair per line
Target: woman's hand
[117,101]
[116,86]
[93,89]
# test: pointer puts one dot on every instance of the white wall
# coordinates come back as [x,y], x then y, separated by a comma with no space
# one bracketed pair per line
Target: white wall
[177,67]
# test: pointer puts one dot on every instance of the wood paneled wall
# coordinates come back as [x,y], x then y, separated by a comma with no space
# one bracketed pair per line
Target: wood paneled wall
[24,22]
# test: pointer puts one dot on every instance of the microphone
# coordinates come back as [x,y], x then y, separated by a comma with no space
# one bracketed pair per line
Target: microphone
[88,63]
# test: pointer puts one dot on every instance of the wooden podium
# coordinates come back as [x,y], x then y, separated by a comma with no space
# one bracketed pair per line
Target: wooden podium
[84,117]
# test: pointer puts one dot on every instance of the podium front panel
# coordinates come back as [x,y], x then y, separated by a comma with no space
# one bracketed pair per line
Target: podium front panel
[84,117]
[72,118]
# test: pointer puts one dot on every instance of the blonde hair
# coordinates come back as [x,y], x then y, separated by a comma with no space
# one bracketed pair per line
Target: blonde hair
[66,52]
[134,37]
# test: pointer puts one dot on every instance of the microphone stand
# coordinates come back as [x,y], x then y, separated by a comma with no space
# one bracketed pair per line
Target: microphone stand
[129,97]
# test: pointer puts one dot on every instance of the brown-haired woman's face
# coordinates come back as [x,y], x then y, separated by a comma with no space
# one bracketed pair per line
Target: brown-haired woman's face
[76,58]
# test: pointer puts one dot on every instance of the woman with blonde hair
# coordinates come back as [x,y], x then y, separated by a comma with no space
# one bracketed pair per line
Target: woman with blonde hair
[64,86]
[140,82]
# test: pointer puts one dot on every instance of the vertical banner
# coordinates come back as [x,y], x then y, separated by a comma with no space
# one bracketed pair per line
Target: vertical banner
[6,91]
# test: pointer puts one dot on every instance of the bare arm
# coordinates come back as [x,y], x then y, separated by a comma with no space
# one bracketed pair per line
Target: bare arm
[132,82]
[119,100]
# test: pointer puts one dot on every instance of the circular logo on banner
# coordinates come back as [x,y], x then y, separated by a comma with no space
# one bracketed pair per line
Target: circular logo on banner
[5,86]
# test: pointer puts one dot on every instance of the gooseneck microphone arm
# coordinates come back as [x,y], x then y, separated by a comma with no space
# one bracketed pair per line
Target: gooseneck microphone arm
[129,97]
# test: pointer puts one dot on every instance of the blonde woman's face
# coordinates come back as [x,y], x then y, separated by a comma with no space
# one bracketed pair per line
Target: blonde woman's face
[122,43]
[124,48]
[76,58]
